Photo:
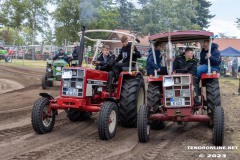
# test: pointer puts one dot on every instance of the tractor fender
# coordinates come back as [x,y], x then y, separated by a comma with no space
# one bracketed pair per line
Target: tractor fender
[112,100]
[46,95]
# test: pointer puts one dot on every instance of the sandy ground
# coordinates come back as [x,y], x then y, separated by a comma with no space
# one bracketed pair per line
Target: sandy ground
[80,140]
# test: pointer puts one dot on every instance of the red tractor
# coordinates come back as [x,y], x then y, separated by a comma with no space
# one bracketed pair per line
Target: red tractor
[83,91]
[171,97]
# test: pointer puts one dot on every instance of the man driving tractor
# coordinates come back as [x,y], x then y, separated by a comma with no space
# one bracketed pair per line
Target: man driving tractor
[105,62]
[63,55]
[186,63]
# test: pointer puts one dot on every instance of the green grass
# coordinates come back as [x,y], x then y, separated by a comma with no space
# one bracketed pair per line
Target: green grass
[230,80]
[27,63]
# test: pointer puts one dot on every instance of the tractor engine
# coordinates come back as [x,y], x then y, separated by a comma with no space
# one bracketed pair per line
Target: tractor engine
[82,83]
[178,91]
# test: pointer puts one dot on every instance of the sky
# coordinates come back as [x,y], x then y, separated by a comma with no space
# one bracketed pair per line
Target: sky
[226,12]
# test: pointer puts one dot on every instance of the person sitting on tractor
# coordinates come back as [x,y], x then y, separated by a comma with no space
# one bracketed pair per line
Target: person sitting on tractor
[63,55]
[125,54]
[215,59]
[105,62]
[151,66]
[186,63]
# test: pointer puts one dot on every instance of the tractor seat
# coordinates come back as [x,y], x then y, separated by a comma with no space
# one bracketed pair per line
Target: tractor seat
[127,68]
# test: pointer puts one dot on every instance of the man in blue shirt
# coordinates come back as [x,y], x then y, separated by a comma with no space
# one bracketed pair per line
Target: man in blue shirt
[151,66]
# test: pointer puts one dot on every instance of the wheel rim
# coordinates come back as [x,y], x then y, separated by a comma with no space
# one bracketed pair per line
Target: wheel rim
[140,99]
[112,121]
[45,118]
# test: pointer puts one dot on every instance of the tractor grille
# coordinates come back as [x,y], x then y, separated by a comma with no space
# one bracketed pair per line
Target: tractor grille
[177,90]
[72,82]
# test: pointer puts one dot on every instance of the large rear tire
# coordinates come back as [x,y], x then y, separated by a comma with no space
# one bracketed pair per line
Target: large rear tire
[41,122]
[131,98]
[153,103]
[107,122]
[74,115]
[213,94]
[218,126]
[143,126]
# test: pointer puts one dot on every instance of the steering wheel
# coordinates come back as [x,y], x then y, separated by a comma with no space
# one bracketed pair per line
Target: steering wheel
[95,63]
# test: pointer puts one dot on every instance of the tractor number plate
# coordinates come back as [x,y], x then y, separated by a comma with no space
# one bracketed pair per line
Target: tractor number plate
[67,74]
[59,70]
[177,101]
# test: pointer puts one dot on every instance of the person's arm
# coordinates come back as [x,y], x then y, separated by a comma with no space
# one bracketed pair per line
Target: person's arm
[175,65]
[55,57]
[119,58]
[150,61]
[193,68]
[215,58]
[137,54]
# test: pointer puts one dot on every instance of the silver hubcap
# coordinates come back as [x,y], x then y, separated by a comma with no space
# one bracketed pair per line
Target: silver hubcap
[112,121]
[45,118]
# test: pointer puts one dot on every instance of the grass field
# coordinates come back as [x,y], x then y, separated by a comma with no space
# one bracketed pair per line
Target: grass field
[28,63]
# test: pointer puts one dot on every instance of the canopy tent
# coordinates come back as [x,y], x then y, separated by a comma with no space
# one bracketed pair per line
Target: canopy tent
[230,52]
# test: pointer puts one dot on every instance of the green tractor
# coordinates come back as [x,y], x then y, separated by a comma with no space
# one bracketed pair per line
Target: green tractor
[54,71]
[142,63]
[4,55]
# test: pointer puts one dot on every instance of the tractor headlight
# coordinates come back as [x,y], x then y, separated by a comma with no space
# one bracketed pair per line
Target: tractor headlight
[66,84]
[185,93]
[49,70]
[169,93]
[79,85]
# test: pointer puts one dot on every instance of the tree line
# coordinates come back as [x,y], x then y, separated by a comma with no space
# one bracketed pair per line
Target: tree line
[22,20]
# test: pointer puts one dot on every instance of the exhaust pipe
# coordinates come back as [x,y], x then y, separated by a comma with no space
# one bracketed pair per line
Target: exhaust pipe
[81,50]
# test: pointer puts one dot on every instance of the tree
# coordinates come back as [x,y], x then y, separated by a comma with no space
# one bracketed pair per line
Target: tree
[159,15]
[126,11]
[94,14]
[203,14]
[12,13]
[36,16]
[238,23]
[7,35]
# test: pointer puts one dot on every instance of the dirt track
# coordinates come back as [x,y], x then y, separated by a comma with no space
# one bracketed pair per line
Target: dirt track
[80,140]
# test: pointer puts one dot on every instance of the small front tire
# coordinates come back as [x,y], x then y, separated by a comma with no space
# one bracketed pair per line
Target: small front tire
[108,118]
[41,122]
[218,126]
[143,126]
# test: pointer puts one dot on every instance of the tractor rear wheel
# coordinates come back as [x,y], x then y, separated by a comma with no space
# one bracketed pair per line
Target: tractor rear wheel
[131,98]
[218,126]
[74,115]
[143,126]
[107,122]
[213,94]
[153,103]
[41,122]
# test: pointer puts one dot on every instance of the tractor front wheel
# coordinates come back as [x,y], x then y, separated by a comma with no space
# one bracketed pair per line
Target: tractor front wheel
[218,126]
[8,59]
[42,122]
[107,122]
[44,82]
[143,126]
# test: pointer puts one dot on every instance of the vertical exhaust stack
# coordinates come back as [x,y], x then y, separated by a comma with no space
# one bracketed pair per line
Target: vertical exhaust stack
[81,50]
